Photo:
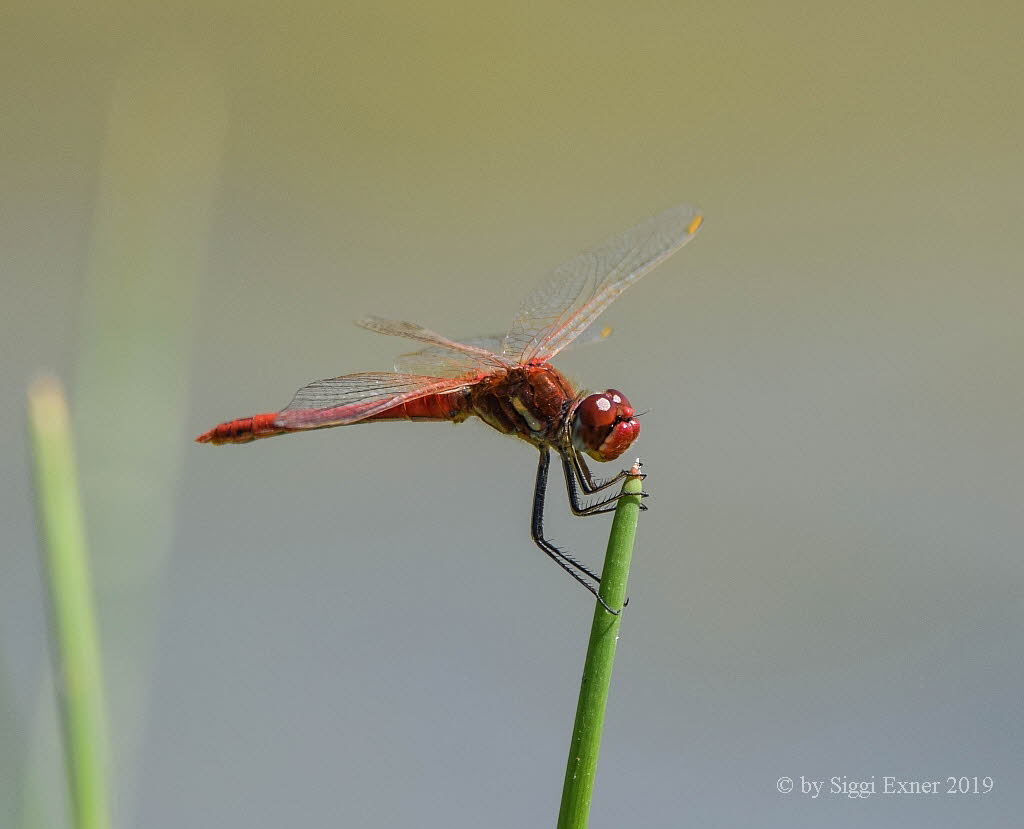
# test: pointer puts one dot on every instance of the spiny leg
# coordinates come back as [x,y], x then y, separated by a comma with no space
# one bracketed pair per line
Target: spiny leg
[537,527]
[576,471]
[588,483]
[560,557]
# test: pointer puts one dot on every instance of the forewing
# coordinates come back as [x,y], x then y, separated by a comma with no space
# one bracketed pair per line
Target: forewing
[342,400]
[576,293]
[443,358]
[440,361]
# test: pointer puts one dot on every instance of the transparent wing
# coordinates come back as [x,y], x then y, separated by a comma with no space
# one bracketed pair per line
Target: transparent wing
[595,333]
[576,293]
[444,357]
[441,361]
[354,397]
[437,361]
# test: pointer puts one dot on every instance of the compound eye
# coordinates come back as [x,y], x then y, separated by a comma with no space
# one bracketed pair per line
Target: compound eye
[596,411]
[603,425]
[618,399]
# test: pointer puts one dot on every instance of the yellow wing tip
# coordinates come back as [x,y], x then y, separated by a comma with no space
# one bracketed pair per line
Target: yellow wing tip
[606,332]
[695,224]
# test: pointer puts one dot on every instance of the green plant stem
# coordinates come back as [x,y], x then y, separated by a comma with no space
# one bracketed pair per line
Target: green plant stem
[597,668]
[75,644]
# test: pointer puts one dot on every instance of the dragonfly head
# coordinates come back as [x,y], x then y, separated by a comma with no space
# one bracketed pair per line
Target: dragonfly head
[604,425]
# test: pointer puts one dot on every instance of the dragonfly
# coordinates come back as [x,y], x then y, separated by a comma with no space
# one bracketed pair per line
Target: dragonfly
[507,382]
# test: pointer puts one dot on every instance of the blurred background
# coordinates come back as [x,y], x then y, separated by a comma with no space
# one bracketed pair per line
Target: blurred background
[351,627]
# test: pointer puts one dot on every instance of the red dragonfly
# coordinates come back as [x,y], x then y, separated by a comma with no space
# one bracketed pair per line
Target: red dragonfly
[507,382]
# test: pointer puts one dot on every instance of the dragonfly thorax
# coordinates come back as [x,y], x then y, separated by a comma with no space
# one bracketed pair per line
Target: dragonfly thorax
[604,425]
[528,401]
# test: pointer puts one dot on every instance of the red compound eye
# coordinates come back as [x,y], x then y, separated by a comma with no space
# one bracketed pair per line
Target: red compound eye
[603,425]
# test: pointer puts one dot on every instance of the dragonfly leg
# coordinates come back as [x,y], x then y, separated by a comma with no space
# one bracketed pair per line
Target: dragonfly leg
[571,566]
[577,473]
[588,483]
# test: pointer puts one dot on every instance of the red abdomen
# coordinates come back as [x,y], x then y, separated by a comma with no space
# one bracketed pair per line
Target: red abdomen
[242,430]
[452,406]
